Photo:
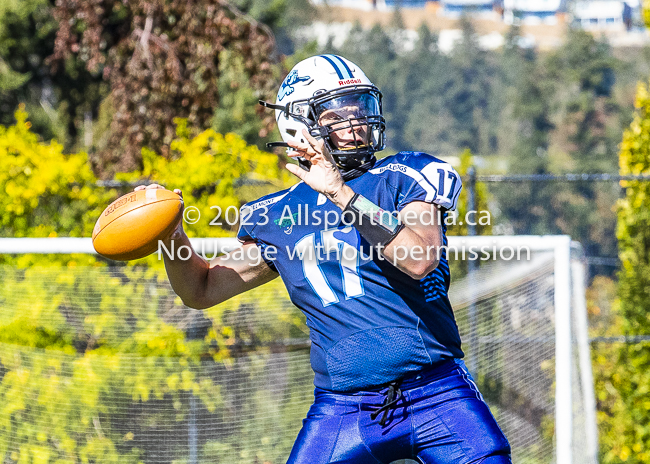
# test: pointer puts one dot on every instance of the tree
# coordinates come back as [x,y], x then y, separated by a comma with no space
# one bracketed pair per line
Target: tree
[70,90]
[425,119]
[163,60]
[282,16]
[530,119]
[606,320]
[587,69]
[469,96]
[47,193]
[57,101]
[588,125]
[632,378]
[482,197]
[50,193]
[570,127]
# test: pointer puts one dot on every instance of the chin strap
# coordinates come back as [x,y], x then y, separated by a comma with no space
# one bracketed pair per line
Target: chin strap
[353,173]
[347,174]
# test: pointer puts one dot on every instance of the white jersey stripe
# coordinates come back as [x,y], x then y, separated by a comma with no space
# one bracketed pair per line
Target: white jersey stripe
[430,190]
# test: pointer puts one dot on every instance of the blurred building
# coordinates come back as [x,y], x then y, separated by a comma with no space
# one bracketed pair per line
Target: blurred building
[408,3]
[543,20]
[533,11]
[456,8]
[603,15]
[357,4]
[381,5]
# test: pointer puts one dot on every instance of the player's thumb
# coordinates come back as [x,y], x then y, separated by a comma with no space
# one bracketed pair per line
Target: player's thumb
[178,230]
[296,171]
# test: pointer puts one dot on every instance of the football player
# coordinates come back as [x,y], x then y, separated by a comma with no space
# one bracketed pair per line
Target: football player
[360,245]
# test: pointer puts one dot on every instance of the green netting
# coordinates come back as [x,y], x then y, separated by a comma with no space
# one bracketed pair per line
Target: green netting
[105,364]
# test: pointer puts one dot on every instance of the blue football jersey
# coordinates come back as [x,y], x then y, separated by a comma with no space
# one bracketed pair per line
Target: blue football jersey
[369,322]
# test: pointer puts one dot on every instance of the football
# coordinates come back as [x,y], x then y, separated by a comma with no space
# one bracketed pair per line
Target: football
[130,227]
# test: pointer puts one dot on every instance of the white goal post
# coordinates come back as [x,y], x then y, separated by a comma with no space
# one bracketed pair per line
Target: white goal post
[571,328]
[572,360]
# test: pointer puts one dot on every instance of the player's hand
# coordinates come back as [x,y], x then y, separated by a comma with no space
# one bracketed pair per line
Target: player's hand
[324,175]
[178,231]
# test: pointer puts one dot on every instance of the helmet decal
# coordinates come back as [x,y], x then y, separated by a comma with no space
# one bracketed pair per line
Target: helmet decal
[291,80]
[342,69]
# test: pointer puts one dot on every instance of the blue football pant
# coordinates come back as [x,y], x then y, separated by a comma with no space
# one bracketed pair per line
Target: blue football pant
[440,417]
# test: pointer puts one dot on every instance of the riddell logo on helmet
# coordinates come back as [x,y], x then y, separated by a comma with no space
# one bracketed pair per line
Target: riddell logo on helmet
[350,81]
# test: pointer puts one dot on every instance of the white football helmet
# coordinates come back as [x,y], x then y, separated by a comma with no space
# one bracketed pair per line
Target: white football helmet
[327,94]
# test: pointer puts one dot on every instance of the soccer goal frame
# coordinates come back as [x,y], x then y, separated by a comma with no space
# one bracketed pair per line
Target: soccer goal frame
[571,327]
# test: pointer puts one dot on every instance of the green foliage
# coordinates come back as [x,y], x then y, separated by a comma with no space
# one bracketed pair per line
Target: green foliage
[10,80]
[212,170]
[628,421]
[98,358]
[587,68]
[278,14]
[49,193]
[428,123]
[621,370]
[84,70]
[163,60]
[459,268]
[634,218]
[27,30]
[239,111]
[572,127]
[90,353]
[482,202]
[606,320]
[527,205]
[472,91]
[46,193]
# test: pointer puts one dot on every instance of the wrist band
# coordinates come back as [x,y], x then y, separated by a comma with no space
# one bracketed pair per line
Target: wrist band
[377,226]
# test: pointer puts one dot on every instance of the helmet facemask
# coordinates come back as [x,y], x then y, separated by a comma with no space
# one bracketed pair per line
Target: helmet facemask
[350,122]
[349,119]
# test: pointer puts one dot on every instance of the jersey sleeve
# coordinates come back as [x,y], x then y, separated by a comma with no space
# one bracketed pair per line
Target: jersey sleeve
[432,181]
[244,234]
[252,214]
[256,213]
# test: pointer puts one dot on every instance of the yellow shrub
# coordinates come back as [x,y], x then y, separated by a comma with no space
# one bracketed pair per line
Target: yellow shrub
[47,193]
[217,174]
